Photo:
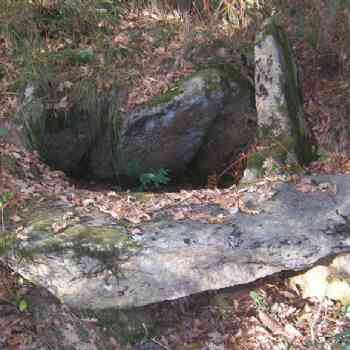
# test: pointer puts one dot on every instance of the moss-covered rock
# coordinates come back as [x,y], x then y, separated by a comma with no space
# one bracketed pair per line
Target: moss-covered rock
[166,96]
[91,262]
[52,232]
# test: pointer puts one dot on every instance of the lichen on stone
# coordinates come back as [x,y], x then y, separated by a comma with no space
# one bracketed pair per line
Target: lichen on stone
[167,96]
[285,113]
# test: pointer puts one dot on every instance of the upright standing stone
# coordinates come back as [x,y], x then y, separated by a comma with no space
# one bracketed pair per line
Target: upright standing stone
[278,98]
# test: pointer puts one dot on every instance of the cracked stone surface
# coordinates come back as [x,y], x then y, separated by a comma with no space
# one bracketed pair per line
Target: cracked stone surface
[173,259]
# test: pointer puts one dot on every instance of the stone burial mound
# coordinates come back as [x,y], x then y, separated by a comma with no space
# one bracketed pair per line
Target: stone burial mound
[200,125]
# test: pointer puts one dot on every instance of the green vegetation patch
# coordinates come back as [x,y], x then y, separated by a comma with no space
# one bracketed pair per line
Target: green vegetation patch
[3,72]
[59,37]
[53,231]
[73,56]
[212,79]
[38,218]
[100,237]
[220,75]
[44,225]
[212,74]
[96,242]
[276,149]
[26,20]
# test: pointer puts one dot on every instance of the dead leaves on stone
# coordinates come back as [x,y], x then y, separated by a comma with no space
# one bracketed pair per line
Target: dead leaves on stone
[30,179]
[231,200]
[68,219]
[307,184]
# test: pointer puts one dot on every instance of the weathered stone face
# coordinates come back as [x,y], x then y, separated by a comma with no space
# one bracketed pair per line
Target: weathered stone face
[95,264]
[170,134]
[233,130]
[205,119]
[278,96]
[270,80]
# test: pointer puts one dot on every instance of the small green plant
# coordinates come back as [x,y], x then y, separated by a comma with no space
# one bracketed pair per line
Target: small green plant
[259,300]
[11,249]
[22,304]
[343,339]
[14,296]
[11,246]
[17,298]
[73,57]
[154,178]
[284,344]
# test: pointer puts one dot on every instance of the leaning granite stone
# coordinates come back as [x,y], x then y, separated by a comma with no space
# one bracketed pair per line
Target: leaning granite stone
[201,123]
[278,96]
[96,264]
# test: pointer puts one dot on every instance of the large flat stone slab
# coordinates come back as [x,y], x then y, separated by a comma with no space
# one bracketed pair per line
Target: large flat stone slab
[96,264]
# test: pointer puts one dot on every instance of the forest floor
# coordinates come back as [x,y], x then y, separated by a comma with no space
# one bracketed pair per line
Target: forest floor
[150,52]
